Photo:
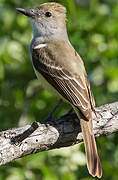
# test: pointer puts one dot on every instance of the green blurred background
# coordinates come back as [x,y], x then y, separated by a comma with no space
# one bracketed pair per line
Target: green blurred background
[93,31]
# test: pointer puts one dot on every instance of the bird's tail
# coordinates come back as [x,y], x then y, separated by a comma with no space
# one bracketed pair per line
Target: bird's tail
[93,161]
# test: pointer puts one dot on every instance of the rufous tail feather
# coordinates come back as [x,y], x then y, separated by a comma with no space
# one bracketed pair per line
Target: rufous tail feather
[93,161]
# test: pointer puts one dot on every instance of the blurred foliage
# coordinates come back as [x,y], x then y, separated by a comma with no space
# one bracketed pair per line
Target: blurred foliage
[93,31]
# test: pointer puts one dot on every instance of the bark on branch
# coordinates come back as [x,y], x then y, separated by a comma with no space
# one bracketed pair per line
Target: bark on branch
[63,132]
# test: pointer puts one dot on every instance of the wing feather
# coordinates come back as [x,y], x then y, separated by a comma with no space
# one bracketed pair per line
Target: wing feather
[70,86]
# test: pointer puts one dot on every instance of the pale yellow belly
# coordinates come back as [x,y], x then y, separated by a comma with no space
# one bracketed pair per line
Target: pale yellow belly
[48,86]
[44,83]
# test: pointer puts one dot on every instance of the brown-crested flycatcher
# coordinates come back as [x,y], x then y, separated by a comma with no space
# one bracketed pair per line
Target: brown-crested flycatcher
[57,63]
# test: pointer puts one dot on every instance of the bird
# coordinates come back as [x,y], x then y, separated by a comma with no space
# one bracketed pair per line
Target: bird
[60,68]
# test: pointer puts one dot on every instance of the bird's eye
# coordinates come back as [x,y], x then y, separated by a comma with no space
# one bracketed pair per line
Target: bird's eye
[48,14]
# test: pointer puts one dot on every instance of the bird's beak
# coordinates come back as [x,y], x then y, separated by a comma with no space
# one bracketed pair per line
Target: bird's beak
[26,12]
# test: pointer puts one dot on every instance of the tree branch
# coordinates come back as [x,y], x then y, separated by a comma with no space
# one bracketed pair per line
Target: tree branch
[63,132]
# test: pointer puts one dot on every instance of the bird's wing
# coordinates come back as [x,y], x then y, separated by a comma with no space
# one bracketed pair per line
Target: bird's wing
[91,96]
[70,85]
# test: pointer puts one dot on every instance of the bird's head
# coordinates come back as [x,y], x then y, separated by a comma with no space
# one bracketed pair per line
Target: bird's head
[48,19]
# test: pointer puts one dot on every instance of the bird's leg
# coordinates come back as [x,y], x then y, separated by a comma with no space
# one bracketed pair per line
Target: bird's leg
[70,111]
[53,111]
